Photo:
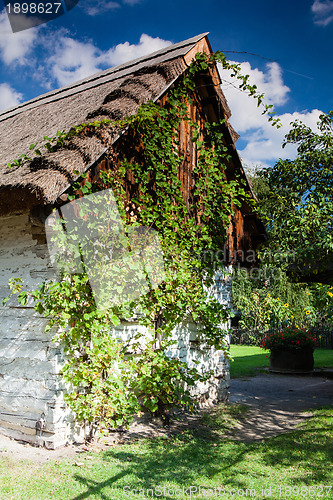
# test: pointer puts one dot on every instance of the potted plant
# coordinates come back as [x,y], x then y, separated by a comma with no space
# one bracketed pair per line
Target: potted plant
[291,350]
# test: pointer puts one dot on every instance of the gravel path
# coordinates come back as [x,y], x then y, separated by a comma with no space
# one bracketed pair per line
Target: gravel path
[277,403]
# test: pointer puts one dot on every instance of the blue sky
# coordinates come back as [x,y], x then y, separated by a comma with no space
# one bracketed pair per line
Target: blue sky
[292,40]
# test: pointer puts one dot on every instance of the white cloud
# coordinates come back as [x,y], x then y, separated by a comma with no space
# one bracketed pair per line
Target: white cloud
[270,83]
[126,52]
[67,60]
[14,47]
[8,96]
[96,7]
[73,60]
[264,142]
[323,12]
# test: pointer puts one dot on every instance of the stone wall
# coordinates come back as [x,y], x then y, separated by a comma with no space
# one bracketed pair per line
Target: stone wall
[204,358]
[30,384]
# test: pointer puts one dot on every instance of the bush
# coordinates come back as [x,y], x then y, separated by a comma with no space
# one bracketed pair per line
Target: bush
[290,338]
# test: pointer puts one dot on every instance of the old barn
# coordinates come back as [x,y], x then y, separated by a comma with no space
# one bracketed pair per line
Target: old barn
[30,384]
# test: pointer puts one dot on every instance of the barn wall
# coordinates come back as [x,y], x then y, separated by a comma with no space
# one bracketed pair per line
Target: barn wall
[30,384]
[29,362]
[204,358]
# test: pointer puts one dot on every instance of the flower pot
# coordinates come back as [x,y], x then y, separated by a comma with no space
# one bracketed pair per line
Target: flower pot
[297,361]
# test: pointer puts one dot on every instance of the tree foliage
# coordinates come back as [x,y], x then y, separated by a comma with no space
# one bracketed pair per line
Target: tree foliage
[298,203]
[292,285]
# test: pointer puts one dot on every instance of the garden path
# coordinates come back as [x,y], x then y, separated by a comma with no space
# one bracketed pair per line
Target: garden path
[277,403]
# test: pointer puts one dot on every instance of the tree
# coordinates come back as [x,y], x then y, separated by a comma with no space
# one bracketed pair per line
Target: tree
[295,198]
[297,202]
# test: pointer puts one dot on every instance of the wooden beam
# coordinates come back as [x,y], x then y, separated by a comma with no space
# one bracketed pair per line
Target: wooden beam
[203,45]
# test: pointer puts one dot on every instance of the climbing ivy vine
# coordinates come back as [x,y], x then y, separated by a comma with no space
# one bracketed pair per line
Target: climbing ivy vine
[112,379]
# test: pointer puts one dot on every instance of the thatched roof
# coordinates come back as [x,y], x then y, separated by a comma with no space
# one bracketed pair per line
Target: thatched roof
[114,93]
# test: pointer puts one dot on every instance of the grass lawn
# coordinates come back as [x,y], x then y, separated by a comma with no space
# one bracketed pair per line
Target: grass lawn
[290,466]
[248,359]
[192,464]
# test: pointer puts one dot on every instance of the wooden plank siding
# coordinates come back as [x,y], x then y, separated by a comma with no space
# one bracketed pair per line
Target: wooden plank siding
[245,232]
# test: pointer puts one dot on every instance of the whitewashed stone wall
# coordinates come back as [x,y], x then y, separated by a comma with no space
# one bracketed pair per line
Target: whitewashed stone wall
[204,358]
[30,384]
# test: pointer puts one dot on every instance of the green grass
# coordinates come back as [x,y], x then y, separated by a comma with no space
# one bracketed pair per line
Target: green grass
[248,360]
[301,459]
[223,418]
[323,358]
[290,466]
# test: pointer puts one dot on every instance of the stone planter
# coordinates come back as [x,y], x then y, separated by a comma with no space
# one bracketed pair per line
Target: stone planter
[298,361]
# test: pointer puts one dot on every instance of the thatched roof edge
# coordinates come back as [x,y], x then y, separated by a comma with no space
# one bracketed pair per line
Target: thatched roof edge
[113,94]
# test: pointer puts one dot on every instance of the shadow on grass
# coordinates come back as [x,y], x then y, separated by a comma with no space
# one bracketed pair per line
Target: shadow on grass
[95,487]
[309,449]
[176,464]
[185,460]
